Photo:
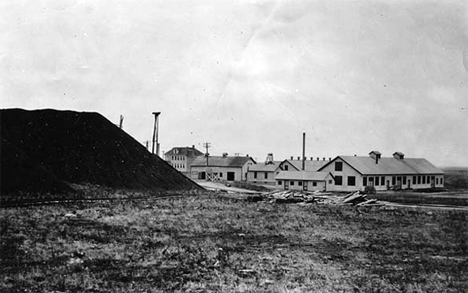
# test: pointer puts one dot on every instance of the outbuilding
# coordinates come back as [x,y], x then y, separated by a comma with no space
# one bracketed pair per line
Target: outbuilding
[304,180]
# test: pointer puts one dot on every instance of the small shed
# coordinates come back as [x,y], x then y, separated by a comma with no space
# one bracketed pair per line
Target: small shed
[304,180]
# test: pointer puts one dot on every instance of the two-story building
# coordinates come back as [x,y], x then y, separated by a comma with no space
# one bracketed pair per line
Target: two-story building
[356,172]
[182,157]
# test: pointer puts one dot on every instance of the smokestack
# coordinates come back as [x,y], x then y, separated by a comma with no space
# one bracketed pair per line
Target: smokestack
[303,151]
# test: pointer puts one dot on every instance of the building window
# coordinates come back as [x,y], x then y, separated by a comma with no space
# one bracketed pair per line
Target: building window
[437,181]
[266,175]
[221,174]
[286,167]
[393,180]
[441,180]
[330,181]
[351,181]
[299,183]
[338,180]
[364,181]
[338,166]
[424,180]
[382,181]
[255,175]
[315,183]
[292,183]
[371,181]
[280,182]
[377,181]
[419,179]
[404,180]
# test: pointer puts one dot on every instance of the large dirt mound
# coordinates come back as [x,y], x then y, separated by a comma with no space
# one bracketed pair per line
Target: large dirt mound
[42,149]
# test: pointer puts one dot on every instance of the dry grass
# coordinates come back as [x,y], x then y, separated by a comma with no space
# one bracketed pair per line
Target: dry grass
[213,244]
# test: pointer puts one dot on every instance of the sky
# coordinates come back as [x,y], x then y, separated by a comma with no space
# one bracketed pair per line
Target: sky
[251,76]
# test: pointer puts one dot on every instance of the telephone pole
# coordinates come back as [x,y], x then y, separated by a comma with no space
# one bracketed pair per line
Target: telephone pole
[207,146]
[156,133]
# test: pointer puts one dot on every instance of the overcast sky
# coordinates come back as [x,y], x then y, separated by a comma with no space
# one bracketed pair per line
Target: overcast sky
[251,76]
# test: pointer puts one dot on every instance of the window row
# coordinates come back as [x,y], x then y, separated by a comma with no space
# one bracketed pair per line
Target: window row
[264,176]
[178,166]
[351,180]
[292,183]
[402,180]
[177,158]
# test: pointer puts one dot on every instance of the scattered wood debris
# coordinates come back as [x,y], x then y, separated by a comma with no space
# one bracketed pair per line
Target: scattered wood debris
[316,197]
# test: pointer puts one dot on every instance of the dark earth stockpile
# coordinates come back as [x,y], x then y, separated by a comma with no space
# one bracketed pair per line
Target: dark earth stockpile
[44,150]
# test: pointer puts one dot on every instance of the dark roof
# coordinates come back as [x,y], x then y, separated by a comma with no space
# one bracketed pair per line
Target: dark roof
[302,175]
[388,166]
[184,151]
[220,161]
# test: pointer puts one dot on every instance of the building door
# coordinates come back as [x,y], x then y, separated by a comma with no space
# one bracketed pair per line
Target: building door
[304,185]
[230,176]
[286,184]
[433,181]
[202,175]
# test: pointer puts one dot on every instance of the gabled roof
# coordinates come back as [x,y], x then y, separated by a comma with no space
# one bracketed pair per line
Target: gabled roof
[302,175]
[388,166]
[309,164]
[262,167]
[220,161]
[184,151]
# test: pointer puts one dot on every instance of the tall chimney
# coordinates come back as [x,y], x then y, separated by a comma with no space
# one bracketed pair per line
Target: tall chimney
[303,151]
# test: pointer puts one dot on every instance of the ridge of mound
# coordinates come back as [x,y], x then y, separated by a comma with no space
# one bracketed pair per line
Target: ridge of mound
[78,147]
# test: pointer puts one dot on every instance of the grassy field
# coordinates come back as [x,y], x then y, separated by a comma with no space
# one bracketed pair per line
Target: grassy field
[208,243]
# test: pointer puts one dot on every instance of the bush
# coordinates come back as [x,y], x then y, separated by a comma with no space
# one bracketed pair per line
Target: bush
[369,190]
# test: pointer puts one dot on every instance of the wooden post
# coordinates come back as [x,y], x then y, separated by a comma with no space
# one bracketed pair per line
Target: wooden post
[207,145]
[121,121]
[155,133]
[303,151]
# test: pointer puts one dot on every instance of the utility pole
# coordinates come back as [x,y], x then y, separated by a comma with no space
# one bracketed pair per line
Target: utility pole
[156,133]
[121,121]
[207,146]
[303,150]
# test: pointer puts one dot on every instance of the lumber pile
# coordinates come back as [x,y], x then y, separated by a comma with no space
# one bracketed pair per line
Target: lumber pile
[317,197]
